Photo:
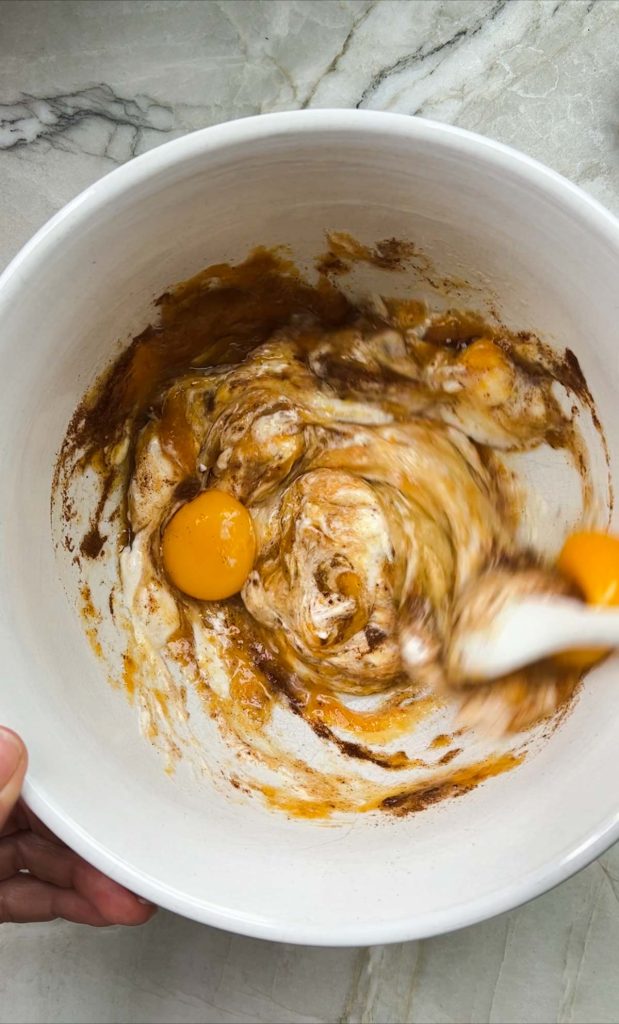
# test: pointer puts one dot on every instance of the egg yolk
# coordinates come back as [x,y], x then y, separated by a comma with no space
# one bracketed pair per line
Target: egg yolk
[591,561]
[209,546]
[490,374]
[483,355]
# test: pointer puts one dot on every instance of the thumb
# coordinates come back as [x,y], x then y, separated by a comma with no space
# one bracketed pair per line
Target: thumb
[13,761]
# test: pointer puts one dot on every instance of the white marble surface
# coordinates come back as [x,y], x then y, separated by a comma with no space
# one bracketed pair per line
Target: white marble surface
[86,85]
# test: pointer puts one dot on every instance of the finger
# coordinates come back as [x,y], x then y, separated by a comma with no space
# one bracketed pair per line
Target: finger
[24,899]
[13,761]
[12,823]
[112,900]
[60,866]
[25,851]
[22,817]
[17,819]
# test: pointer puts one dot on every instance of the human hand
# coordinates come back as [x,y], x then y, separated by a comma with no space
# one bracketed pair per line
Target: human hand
[41,878]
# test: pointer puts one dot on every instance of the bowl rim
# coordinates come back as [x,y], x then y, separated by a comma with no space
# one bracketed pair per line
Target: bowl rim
[104,191]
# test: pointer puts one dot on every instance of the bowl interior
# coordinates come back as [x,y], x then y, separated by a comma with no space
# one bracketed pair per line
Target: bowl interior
[526,244]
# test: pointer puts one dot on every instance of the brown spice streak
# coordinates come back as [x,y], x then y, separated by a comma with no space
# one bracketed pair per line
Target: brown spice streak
[449,755]
[283,682]
[92,542]
[361,753]
[343,251]
[458,783]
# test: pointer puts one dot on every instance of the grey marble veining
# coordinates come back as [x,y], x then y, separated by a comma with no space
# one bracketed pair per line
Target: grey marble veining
[85,86]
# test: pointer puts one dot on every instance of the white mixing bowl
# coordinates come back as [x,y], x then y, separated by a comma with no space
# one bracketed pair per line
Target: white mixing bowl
[551,256]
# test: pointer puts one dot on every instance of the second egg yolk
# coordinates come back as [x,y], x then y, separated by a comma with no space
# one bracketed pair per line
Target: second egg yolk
[209,546]
[483,355]
[591,561]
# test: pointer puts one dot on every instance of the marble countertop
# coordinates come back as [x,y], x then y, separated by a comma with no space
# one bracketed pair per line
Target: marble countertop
[85,86]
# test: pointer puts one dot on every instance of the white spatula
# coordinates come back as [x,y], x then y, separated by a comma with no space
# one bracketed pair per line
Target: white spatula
[528,628]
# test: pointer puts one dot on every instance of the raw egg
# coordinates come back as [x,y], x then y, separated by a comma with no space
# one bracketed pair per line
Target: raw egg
[491,373]
[591,561]
[483,355]
[209,546]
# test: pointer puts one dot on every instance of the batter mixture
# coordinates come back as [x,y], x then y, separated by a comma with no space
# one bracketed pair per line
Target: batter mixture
[366,445]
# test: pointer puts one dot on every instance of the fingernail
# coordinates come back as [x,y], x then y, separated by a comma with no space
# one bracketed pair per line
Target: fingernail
[145,903]
[11,753]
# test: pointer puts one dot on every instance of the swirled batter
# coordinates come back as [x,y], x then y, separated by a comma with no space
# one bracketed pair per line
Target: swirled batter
[367,444]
